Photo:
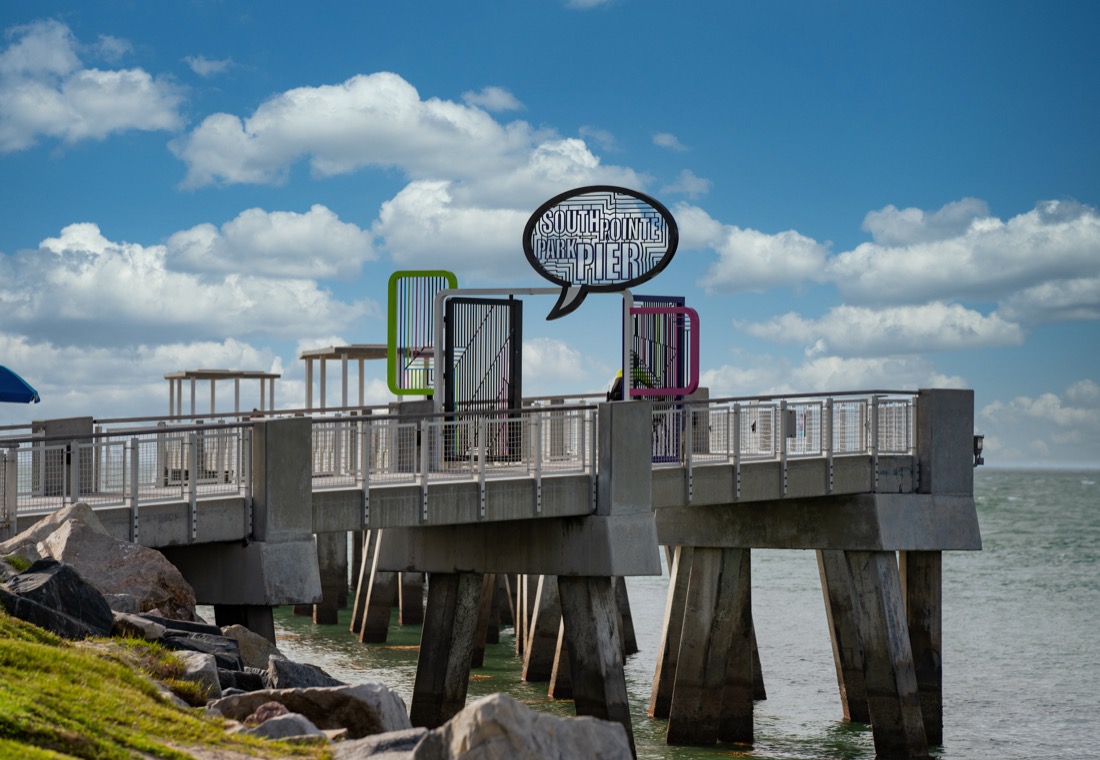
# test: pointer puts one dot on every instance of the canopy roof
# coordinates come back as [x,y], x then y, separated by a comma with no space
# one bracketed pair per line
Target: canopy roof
[16,390]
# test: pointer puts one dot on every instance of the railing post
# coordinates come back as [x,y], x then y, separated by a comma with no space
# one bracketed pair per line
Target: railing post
[827,443]
[9,492]
[192,477]
[591,443]
[74,472]
[538,463]
[425,448]
[873,438]
[246,475]
[483,441]
[689,444]
[783,442]
[135,453]
[364,466]
[737,451]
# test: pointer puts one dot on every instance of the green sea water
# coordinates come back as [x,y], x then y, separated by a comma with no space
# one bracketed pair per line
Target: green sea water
[1021,641]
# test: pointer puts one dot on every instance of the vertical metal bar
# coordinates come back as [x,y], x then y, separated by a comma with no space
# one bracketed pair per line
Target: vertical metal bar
[827,443]
[538,463]
[192,477]
[246,475]
[135,453]
[423,468]
[783,442]
[74,472]
[689,444]
[736,451]
[874,444]
[364,466]
[483,435]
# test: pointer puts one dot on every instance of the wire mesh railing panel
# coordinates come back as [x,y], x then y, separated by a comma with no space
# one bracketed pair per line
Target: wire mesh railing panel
[336,459]
[394,450]
[759,431]
[850,423]
[565,440]
[895,426]
[42,478]
[804,433]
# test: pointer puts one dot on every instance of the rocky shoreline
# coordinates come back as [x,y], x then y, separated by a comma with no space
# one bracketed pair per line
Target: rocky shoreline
[67,575]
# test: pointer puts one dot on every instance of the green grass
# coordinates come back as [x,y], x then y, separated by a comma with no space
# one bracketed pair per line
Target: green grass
[19,564]
[91,700]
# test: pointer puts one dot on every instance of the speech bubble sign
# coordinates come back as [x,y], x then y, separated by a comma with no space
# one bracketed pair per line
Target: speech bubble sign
[598,239]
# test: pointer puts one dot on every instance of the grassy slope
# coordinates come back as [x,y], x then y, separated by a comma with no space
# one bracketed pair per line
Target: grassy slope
[59,699]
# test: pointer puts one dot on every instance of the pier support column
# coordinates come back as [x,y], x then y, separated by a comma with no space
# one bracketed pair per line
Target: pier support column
[921,578]
[364,564]
[626,619]
[590,614]
[660,698]
[737,693]
[446,644]
[484,615]
[892,698]
[259,620]
[717,596]
[332,561]
[410,599]
[379,604]
[836,588]
[542,639]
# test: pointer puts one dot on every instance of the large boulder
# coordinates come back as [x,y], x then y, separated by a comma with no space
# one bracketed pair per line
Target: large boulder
[75,536]
[363,710]
[53,596]
[286,674]
[255,649]
[498,727]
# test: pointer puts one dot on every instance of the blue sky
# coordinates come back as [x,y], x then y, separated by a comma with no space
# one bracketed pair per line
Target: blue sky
[869,194]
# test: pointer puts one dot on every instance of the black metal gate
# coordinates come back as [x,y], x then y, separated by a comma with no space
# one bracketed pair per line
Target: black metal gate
[483,374]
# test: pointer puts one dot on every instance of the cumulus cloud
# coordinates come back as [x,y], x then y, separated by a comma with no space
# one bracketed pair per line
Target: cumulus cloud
[277,244]
[550,361]
[688,184]
[602,138]
[369,120]
[668,141]
[45,91]
[959,252]
[749,260]
[493,99]
[95,291]
[1048,429]
[859,331]
[207,67]
[1055,301]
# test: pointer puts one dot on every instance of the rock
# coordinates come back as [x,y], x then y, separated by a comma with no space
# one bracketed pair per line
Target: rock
[266,711]
[241,680]
[51,620]
[286,726]
[190,626]
[137,627]
[201,668]
[388,746]
[285,674]
[364,710]
[498,727]
[75,536]
[224,650]
[60,588]
[127,603]
[255,649]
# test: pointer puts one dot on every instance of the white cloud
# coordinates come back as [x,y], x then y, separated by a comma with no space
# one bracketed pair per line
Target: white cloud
[893,226]
[207,67]
[369,120]
[277,244]
[1055,301]
[493,99]
[1047,429]
[669,141]
[688,184]
[98,292]
[858,331]
[938,257]
[45,92]
[749,260]
[604,139]
[549,360]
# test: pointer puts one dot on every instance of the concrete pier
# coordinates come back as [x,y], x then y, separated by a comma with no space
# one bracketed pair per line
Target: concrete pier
[542,637]
[446,645]
[836,587]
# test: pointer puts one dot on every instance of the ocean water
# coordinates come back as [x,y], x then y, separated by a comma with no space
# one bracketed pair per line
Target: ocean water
[1021,641]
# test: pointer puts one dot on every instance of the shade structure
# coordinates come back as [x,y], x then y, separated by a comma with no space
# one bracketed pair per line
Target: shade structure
[16,390]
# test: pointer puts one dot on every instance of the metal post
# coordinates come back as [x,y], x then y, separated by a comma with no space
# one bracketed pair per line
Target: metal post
[689,444]
[74,472]
[424,450]
[192,476]
[827,443]
[873,437]
[364,467]
[737,451]
[246,474]
[783,442]
[134,455]
[483,454]
[538,464]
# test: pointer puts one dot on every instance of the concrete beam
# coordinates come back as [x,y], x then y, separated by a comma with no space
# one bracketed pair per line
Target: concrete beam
[864,522]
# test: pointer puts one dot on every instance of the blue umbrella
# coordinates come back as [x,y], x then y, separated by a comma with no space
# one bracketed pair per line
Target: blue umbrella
[14,389]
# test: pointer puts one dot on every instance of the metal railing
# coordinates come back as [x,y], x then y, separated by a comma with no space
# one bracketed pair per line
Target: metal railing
[364,449]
